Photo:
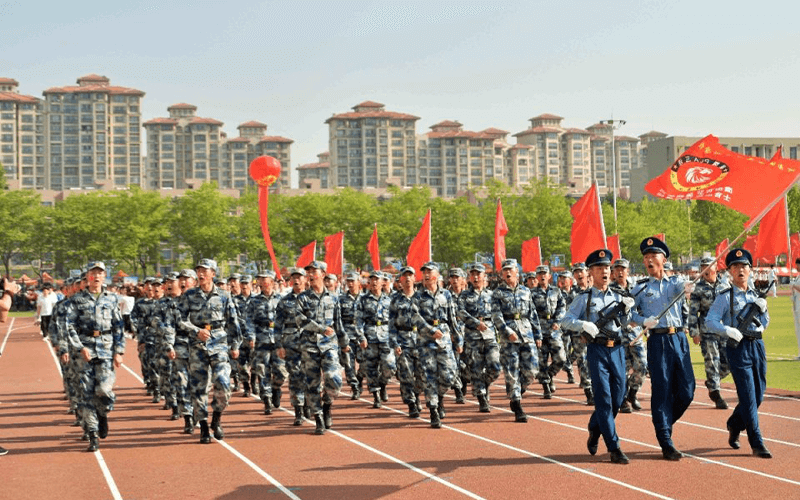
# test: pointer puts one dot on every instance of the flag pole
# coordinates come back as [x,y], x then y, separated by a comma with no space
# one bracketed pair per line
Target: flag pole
[430,238]
[789,263]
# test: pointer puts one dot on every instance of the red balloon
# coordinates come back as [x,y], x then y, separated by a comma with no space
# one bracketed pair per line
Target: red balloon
[265,170]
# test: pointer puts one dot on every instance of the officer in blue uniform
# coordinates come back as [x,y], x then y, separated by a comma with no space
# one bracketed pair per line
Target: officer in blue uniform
[745,348]
[605,353]
[668,357]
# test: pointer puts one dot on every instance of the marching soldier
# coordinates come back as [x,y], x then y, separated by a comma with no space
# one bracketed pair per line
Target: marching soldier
[353,359]
[261,310]
[165,317]
[288,339]
[551,309]
[178,340]
[635,348]
[403,335]
[145,338]
[457,279]
[372,332]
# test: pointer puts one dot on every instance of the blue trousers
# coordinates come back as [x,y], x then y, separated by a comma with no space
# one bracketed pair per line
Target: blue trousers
[608,370]
[673,382]
[748,364]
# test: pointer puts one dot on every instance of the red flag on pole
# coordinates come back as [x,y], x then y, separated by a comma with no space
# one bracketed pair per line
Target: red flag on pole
[773,234]
[307,254]
[588,231]
[531,254]
[795,240]
[718,253]
[750,244]
[500,231]
[334,252]
[708,171]
[419,251]
[374,251]
[612,243]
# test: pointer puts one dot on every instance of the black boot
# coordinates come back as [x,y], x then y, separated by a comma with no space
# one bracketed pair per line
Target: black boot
[298,415]
[320,429]
[306,410]
[413,411]
[716,397]
[102,426]
[459,396]
[326,415]
[156,396]
[175,414]
[570,378]
[436,422]
[593,441]
[733,438]
[267,407]
[483,405]
[548,394]
[552,385]
[634,402]
[440,408]
[188,425]
[625,407]
[354,392]
[246,387]
[417,402]
[216,427]
[254,381]
[94,443]
[376,400]
[589,397]
[276,397]
[519,413]
[384,395]
[619,457]
[205,436]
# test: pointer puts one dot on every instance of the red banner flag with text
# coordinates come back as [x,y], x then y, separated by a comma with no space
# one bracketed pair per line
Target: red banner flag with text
[307,254]
[773,234]
[500,231]
[718,253]
[708,171]
[374,251]
[588,231]
[531,254]
[419,251]
[334,252]
[612,243]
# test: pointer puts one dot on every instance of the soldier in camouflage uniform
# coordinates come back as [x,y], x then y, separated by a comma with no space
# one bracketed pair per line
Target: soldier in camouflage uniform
[580,278]
[480,340]
[66,355]
[261,311]
[403,335]
[711,344]
[213,327]
[239,288]
[94,327]
[457,279]
[347,303]
[177,338]
[288,339]
[146,339]
[372,332]
[635,348]
[550,308]
[165,317]
[321,325]
[517,325]
[564,283]
[437,330]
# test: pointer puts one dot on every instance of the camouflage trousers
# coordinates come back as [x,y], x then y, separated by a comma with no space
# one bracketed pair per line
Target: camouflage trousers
[380,365]
[270,369]
[323,376]
[148,358]
[716,359]
[636,365]
[180,382]
[409,374]
[520,363]
[297,379]
[97,397]
[577,354]
[349,360]
[72,381]
[552,348]
[438,365]
[482,358]
[244,362]
[165,368]
[205,368]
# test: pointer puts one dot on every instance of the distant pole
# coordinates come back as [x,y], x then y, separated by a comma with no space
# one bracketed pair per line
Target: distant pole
[614,125]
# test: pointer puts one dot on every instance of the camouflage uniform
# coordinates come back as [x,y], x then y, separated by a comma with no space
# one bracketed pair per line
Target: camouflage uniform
[372,324]
[551,309]
[570,346]
[711,344]
[165,317]
[58,339]
[353,373]
[177,337]
[261,310]
[287,336]
[481,348]
[141,317]
[403,334]
[243,363]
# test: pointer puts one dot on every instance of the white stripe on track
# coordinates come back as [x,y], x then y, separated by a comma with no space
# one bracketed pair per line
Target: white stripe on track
[5,339]
[97,454]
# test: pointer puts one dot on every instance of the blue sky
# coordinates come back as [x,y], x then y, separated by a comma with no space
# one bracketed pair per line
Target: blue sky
[681,67]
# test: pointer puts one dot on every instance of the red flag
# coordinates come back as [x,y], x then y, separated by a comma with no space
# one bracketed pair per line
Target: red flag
[750,244]
[588,231]
[419,251]
[773,234]
[612,243]
[500,231]
[661,236]
[307,254]
[718,253]
[372,248]
[334,252]
[795,241]
[531,254]
[708,171]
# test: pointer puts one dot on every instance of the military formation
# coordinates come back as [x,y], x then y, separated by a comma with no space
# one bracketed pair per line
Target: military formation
[198,336]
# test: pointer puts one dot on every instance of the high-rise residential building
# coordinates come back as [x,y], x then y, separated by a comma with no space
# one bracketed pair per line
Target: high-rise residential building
[315,175]
[22,148]
[369,145]
[237,153]
[92,135]
[544,137]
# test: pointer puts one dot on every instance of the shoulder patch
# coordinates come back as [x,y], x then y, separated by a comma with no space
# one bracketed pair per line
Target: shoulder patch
[642,281]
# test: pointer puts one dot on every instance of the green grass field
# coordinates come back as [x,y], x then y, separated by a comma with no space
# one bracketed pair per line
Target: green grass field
[783,371]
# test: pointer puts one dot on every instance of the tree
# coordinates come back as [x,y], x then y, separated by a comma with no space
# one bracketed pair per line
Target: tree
[142,224]
[203,224]
[20,217]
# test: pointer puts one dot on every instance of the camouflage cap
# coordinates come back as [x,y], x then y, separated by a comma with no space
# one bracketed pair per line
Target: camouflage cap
[578,266]
[316,264]
[477,266]
[457,271]
[510,263]
[430,265]
[246,278]
[407,269]
[171,276]
[351,276]
[267,273]
[188,273]
[208,264]
[621,263]
[235,276]
[96,264]
[542,269]
[297,270]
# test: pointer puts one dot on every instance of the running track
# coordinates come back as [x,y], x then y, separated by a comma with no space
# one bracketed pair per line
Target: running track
[369,453]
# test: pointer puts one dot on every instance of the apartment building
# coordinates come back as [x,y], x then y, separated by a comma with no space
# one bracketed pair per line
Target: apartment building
[22,148]
[315,175]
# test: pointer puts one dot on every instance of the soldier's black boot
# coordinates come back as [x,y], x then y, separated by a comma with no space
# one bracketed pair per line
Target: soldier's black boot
[156,395]
[276,397]
[716,397]
[102,426]
[593,441]
[519,413]
[354,392]
[589,397]
[436,422]
[619,457]
[634,402]
[246,387]
[459,396]
[376,400]
[733,438]
[570,378]
[326,415]
[552,385]
[413,411]
[306,410]
[384,395]
[188,425]
[440,408]
[298,415]
[483,404]
[417,402]
[320,429]
[216,427]
[94,442]
[254,384]
[548,394]
[205,436]
[625,407]
[267,407]
[175,414]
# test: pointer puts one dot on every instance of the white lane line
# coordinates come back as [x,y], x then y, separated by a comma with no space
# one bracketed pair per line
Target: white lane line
[5,339]
[97,454]
[237,454]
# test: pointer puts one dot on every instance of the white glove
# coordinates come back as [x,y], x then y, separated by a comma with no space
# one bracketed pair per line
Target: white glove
[650,322]
[629,303]
[590,328]
[733,333]
[761,303]
[688,287]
